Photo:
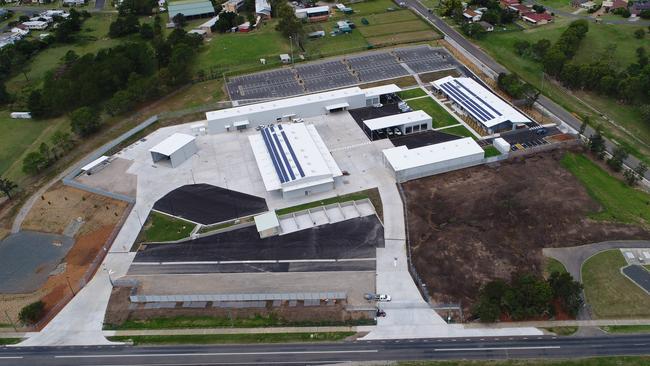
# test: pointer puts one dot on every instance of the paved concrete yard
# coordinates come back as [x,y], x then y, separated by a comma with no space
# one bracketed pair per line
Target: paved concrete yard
[113,178]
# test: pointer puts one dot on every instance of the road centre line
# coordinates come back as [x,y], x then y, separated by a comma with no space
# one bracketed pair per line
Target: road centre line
[493,348]
[216,354]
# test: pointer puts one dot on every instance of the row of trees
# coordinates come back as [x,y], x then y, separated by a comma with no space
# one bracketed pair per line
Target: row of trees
[527,296]
[565,48]
[46,155]
[517,88]
[596,145]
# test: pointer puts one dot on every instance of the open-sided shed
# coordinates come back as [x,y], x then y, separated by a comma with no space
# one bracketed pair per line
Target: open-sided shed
[176,149]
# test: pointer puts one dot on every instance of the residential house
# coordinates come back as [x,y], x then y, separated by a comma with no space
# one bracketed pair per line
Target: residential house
[588,5]
[507,3]
[263,9]
[232,6]
[472,15]
[613,5]
[639,6]
[519,8]
[486,26]
[537,18]
[74,2]
[36,25]
[577,3]
[315,14]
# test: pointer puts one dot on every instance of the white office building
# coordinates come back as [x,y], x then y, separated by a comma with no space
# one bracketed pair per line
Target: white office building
[408,164]
[492,113]
[294,160]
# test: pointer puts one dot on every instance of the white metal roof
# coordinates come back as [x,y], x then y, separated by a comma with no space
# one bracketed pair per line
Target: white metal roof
[94,163]
[241,123]
[209,23]
[382,90]
[397,120]
[292,156]
[316,9]
[337,106]
[266,221]
[479,102]
[243,111]
[401,157]
[172,144]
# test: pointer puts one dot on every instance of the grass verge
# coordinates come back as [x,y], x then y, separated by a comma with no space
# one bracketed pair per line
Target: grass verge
[7,341]
[626,329]
[620,202]
[593,361]
[161,228]
[563,331]
[459,131]
[257,321]
[411,93]
[439,116]
[553,265]
[235,338]
[371,194]
[610,294]
[491,151]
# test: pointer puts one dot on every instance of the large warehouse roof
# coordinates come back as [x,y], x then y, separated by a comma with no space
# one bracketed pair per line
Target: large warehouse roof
[397,120]
[283,103]
[292,154]
[479,102]
[401,157]
[190,8]
[172,144]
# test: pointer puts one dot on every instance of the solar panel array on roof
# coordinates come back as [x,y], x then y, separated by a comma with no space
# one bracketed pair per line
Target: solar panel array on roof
[475,108]
[288,168]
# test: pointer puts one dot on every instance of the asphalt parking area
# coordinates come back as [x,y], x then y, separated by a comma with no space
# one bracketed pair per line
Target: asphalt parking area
[208,204]
[377,66]
[276,83]
[420,139]
[318,70]
[332,81]
[638,275]
[526,138]
[27,258]
[350,239]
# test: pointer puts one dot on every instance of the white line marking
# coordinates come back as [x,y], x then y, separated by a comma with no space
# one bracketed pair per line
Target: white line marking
[493,348]
[219,354]
[10,357]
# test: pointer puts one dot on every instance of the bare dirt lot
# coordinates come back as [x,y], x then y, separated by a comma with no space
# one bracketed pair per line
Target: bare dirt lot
[60,205]
[469,226]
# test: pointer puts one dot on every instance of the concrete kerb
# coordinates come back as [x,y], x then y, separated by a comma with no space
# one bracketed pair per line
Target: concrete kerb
[633,281]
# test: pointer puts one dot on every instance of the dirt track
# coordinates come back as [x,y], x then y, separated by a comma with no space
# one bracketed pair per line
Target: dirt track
[473,225]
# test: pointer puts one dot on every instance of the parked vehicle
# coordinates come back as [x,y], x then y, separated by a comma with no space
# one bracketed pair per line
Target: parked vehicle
[380,313]
[397,131]
[382,297]
[389,131]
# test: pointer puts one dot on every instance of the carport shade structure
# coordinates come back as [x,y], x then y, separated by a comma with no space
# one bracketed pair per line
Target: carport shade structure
[208,204]
[176,148]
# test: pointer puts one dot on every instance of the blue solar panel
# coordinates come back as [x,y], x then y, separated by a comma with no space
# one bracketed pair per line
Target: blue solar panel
[283,155]
[293,154]
[476,96]
[469,100]
[463,101]
[278,167]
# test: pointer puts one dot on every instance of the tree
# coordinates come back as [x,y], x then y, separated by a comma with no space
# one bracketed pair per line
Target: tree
[32,313]
[633,176]
[540,48]
[179,20]
[522,47]
[5,97]
[488,306]
[554,62]
[179,64]
[36,105]
[597,144]
[566,291]
[527,297]
[583,126]
[639,33]
[157,27]
[84,121]
[44,150]
[473,30]
[146,31]
[61,143]
[34,162]
[6,186]
[616,161]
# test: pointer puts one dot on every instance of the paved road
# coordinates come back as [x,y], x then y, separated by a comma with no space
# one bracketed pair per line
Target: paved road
[323,353]
[552,107]
[574,257]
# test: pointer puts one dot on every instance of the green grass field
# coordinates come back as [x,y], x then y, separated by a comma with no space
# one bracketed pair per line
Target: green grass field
[501,47]
[236,338]
[620,202]
[610,294]
[626,329]
[553,265]
[491,151]
[7,341]
[459,131]
[411,93]
[161,228]
[594,361]
[440,116]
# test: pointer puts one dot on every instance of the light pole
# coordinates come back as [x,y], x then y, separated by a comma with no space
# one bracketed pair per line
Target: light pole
[109,272]
[291,48]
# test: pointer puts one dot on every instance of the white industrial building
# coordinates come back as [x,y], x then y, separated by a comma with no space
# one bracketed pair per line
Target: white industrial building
[502,145]
[305,106]
[176,149]
[409,122]
[373,94]
[293,159]
[492,113]
[267,224]
[407,164]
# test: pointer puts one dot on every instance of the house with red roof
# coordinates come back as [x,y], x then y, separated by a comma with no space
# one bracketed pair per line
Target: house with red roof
[537,18]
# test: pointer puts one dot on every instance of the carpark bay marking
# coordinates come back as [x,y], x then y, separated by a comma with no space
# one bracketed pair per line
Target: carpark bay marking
[218,354]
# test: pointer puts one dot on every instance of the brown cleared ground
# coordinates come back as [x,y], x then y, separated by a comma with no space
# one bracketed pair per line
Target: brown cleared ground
[54,211]
[473,225]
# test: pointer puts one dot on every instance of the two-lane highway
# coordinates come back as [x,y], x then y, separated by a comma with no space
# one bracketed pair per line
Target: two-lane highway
[322,353]
[489,62]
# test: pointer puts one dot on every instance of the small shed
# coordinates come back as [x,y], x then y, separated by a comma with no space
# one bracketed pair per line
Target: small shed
[267,224]
[486,26]
[176,149]
[502,145]
[285,58]
[95,165]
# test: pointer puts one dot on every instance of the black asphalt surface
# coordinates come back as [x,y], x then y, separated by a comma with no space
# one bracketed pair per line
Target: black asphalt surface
[27,258]
[348,265]
[639,275]
[527,137]
[328,353]
[354,238]
[207,204]
[486,60]
[269,84]
[420,139]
